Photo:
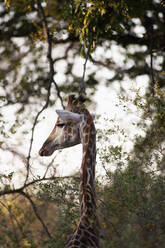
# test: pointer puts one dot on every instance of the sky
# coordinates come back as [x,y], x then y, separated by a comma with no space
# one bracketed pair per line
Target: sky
[106,99]
[68,161]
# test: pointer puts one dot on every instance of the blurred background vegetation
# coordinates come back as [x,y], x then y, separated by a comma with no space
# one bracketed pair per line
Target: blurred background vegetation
[41,43]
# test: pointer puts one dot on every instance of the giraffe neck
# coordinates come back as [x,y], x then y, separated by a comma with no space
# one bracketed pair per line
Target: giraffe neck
[87,183]
[87,233]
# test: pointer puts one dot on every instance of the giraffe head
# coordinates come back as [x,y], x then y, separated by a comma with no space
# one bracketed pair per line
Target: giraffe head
[66,132]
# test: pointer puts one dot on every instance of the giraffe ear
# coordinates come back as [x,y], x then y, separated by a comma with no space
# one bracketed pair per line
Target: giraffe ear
[93,116]
[69,116]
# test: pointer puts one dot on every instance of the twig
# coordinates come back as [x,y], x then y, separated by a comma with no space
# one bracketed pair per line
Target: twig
[33,129]
[27,196]
[82,90]
[151,58]
[18,190]
[51,80]
[15,153]
[110,222]
[49,52]
[109,65]
[12,216]
[49,165]
[65,55]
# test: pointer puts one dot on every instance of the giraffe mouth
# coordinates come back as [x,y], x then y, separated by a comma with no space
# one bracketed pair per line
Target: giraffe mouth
[47,149]
[43,152]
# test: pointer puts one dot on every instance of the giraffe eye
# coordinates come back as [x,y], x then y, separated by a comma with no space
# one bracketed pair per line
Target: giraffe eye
[60,124]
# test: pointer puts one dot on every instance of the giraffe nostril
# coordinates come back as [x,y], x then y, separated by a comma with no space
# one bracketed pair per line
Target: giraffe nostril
[41,152]
[45,152]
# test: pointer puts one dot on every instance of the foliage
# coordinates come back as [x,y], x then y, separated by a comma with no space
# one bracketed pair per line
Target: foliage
[131,210]
[130,199]
[136,26]
[64,193]
[37,48]
[17,224]
[90,16]
[57,199]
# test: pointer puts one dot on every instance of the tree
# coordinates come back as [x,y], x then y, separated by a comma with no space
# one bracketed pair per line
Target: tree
[137,27]
[32,34]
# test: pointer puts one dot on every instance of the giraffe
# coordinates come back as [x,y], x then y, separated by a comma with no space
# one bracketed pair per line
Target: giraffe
[75,125]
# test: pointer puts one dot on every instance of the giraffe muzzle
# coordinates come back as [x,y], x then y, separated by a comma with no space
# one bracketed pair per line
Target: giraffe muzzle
[45,152]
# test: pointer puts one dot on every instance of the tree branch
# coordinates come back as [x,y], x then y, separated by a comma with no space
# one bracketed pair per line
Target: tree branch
[13,218]
[27,196]
[49,52]
[51,80]
[33,129]
[82,90]
[151,59]
[19,190]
